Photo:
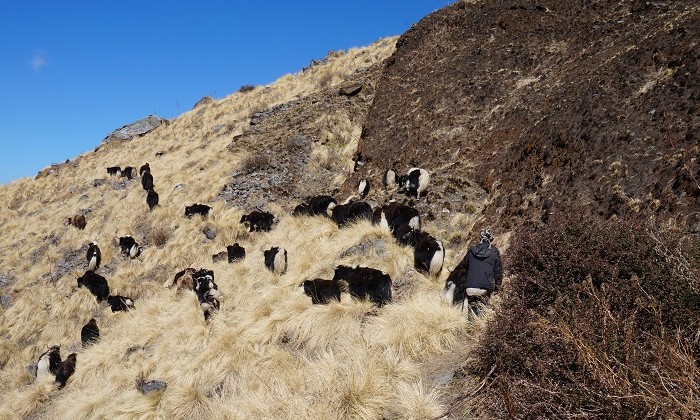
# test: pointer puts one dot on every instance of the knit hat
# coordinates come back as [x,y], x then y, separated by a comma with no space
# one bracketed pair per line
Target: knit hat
[486,235]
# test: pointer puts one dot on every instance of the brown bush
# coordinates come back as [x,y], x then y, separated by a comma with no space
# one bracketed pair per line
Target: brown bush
[159,236]
[246,88]
[598,321]
[254,163]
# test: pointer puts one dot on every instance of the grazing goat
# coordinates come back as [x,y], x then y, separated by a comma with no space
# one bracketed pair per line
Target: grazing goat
[428,254]
[258,221]
[365,282]
[144,168]
[147,181]
[129,246]
[120,303]
[152,199]
[183,279]
[94,256]
[48,363]
[129,172]
[276,260]
[96,284]
[389,178]
[235,253]
[456,287]
[207,291]
[65,370]
[315,205]
[343,214]
[363,188]
[395,214]
[78,221]
[90,333]
[415,182]
[201,209]
[321,291]
[114,171]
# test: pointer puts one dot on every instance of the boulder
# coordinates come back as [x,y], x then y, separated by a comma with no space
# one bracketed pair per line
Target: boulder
[350,90]
[209,232]
[152,386]
[138,128]
[205,100]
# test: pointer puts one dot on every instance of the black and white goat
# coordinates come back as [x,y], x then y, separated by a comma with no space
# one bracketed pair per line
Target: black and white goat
[258,221]
[365,282]
[276,260]
[48,363]
[321,291]
[129,246]
[94,256]
[120,303]
[415,182]
[395,214]
[314,206]
[344,214]
[207,291]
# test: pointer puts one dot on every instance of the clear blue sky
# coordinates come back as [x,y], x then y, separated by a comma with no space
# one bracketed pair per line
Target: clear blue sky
[73,71]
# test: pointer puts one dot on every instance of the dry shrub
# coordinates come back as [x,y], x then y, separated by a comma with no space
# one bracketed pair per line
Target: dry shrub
[159,236]
[254,163]
[599,321]
[246,88]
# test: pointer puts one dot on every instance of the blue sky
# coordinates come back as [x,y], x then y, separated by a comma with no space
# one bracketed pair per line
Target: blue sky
[73,71]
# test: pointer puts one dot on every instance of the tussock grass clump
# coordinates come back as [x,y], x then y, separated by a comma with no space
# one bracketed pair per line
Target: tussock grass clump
[599,321]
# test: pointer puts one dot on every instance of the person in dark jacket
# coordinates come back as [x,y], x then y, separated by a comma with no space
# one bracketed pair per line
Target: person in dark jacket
[484,270]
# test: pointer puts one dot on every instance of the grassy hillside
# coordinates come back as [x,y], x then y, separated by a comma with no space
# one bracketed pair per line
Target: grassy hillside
[268,352]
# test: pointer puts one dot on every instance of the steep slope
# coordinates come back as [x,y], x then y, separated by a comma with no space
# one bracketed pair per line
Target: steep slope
[267,352]
[586,102]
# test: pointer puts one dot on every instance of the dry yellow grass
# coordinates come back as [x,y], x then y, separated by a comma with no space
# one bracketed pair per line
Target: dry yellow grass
[268,352]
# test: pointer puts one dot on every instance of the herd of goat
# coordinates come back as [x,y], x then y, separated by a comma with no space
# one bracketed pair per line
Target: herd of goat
[403,221]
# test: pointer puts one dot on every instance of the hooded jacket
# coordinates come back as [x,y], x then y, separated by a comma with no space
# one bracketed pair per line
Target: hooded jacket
[483,265]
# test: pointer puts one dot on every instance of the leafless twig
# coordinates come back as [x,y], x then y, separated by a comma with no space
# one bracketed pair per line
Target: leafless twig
[471,395]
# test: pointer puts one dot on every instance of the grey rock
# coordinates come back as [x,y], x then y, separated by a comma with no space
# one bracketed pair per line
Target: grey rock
[153,385]
[6,280]
[209,232]
[350,90]
[299,141]
[5,301]
[257,118]
[117,185]
[364,247]
[205,100]
[179,187]
[31,369]
[138,128]
[445,378]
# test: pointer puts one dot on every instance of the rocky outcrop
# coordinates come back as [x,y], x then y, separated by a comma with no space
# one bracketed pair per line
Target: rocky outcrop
[296,149]
[204,101]
[138,128]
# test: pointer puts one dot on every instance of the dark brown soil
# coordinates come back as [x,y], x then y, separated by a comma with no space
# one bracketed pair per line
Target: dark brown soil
[574,101]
